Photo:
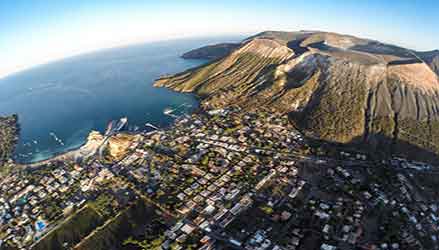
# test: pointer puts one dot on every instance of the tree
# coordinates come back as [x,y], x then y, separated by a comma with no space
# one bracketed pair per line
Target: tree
[154,244]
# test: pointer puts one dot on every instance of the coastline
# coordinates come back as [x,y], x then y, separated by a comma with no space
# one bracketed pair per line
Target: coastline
[90,102]
[62,155]
[71,153]
[55,157]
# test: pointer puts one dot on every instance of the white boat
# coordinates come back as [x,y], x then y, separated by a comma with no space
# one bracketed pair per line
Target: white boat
[168,111]
[122,122]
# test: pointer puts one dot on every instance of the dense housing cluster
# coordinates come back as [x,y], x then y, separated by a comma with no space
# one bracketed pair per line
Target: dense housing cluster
[225,179]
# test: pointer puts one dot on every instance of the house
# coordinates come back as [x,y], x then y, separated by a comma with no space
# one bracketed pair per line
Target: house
[187,229]
[327,247]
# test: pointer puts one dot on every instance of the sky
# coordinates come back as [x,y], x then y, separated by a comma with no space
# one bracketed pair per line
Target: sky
[40,31]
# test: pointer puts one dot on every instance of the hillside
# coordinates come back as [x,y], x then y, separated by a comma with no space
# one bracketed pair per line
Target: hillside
[335,87]
[431,58]
[211,52]
[8,136]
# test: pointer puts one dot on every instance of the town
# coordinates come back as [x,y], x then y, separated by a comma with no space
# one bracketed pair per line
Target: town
[224,179]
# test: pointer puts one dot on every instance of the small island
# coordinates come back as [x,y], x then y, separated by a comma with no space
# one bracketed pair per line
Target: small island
[211,52]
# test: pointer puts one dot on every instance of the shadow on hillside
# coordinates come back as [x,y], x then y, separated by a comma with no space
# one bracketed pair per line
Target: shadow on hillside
[404,61]
[398,147]
[296,46]
[380,48]
[380,146]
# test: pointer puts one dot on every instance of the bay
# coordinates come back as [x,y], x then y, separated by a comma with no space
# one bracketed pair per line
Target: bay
[58,104]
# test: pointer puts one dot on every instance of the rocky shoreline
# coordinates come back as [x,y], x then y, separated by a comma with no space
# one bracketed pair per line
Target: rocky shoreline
[9,131]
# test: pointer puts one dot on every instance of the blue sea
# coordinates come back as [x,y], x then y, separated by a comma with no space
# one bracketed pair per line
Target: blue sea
[58,104]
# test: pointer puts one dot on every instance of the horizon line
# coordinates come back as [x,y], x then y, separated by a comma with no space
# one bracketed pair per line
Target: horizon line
[115,46]
[84,52]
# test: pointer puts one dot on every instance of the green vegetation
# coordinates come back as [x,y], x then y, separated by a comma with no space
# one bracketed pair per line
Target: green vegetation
[154,244]
[8,136]
[235,74]
[338,114]
[124,228]
[104,205]
[72,230]
[191,79]
[267,209]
